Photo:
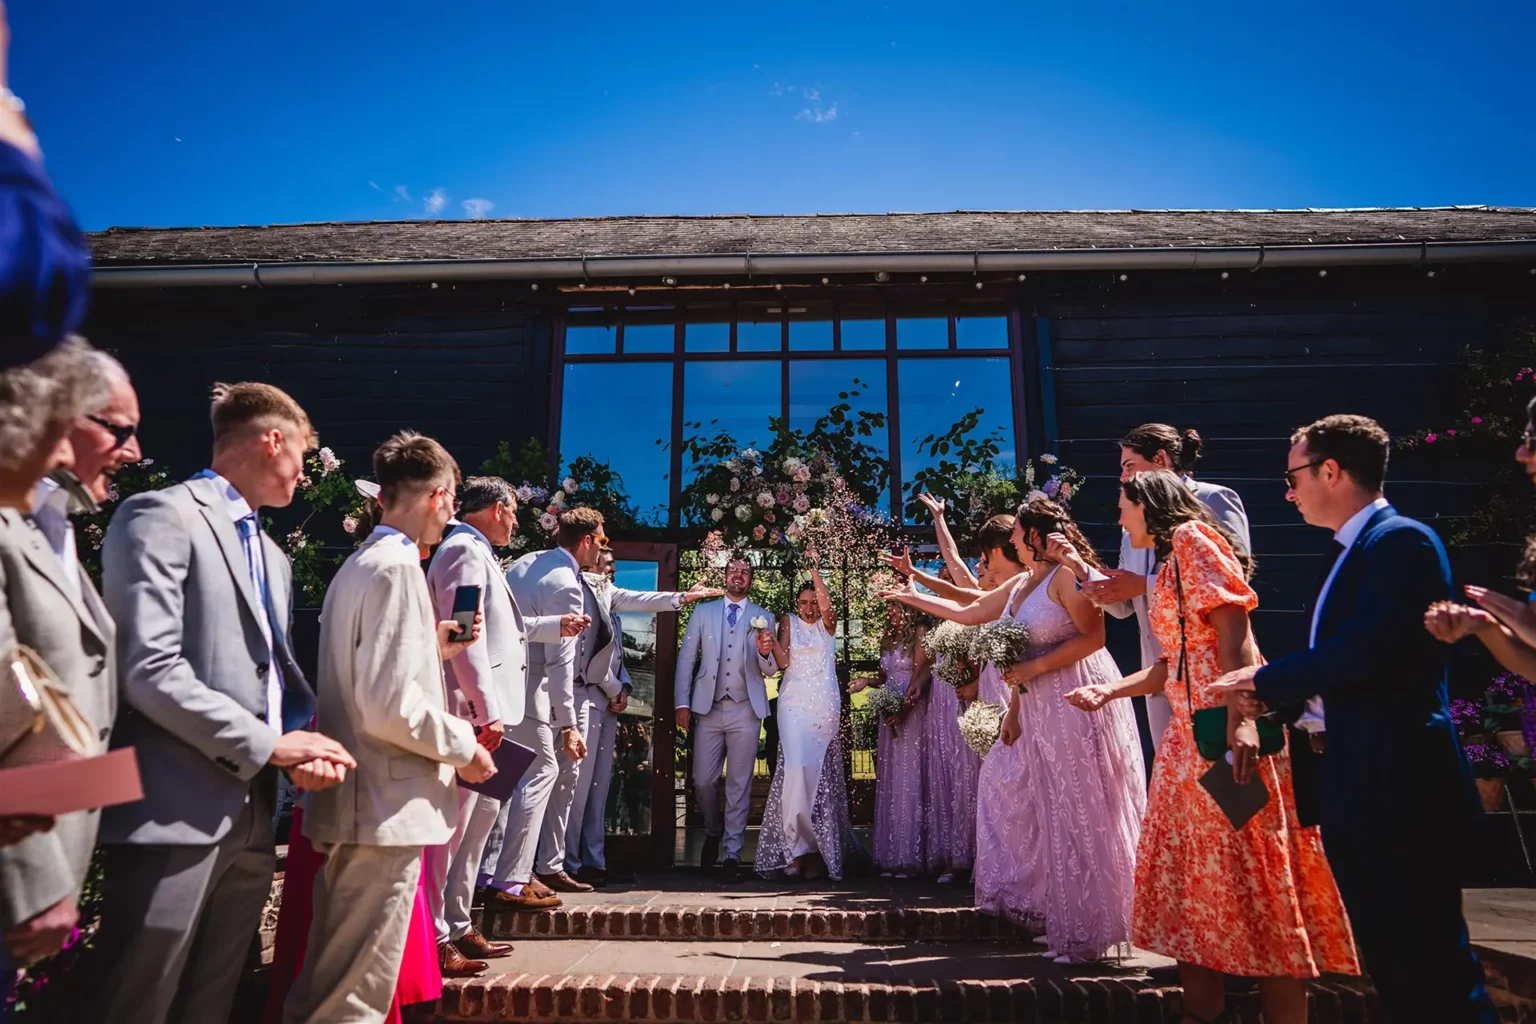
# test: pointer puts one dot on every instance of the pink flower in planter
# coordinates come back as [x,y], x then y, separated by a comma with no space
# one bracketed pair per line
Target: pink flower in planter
[1477,419]
[1431,438]
[1452,433]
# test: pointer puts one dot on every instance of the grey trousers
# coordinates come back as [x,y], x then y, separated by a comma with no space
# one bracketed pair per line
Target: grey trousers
[362,912]
[452,867]
[177,922]
[529,802]
[557,816]
[585,827]
[725,738]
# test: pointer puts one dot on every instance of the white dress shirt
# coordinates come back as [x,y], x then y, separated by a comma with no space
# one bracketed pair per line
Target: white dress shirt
[1312,719]
[239,509]
[50,511]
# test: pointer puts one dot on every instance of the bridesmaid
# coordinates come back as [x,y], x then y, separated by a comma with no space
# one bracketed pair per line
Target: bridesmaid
[900,838]
[1258,901]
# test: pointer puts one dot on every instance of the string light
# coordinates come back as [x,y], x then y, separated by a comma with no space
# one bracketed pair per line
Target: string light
[434,286]
[825,281]
[924,278]
[1322,273]
[535,286]
[882,276]
[631,291]
[1023,277]
[1125,277]
[1225,275]
[669,281]
[978,286]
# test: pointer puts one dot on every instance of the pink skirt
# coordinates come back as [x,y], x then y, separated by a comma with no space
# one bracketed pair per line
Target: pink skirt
[421,979]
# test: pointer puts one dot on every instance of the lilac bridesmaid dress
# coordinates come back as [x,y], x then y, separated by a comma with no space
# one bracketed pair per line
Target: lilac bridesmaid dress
[951,770]
[900,835]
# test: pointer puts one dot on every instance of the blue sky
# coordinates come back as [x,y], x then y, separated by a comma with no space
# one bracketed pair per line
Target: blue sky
[183,113]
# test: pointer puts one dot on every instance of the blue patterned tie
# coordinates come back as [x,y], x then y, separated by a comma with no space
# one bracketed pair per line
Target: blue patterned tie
[730,615]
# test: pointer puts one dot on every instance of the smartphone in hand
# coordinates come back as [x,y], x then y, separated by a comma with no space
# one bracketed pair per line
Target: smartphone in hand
[466,605]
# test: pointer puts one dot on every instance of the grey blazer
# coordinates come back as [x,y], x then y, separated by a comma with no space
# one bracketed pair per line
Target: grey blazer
[74,636]
[488,681]
[1227,507]
[545,583]
[698,662]
[600,651]
[192,661]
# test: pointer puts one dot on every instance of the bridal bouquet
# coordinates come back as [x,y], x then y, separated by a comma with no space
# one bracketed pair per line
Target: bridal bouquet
[1003,643]
[949,644]
[884,703]
[980,725]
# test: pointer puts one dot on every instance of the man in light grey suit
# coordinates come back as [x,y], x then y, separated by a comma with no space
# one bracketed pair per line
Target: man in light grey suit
[486,687]
[211,699]
[383,694]
[1148,447]
[546,583]
[599,659]
[720,693]
[54,609]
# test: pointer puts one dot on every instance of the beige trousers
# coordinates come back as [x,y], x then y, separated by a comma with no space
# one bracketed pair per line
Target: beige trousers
[364,896]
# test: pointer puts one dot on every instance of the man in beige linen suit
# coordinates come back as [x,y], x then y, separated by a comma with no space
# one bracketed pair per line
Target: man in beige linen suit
[382,694]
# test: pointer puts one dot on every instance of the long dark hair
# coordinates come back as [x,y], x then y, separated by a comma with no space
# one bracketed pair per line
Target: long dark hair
[1183,446]
[1046,517]
[1168,503]
[997,532]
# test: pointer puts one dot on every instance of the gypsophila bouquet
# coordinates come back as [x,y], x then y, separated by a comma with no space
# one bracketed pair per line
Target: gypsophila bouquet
[1003,643]
[980,725]
[949,644]
[884,703]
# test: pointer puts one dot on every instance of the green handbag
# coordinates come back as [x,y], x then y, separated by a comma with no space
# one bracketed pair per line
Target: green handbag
[1210,724]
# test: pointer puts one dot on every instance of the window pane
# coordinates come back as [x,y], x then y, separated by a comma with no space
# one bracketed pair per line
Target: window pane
[864,334]
[648,337]
[936,393]
[737,397]
[815,386]
[616,413]
[590,339]
[629,797]
[979,332]
[707,338]
[928,332]
[810,329]
[760,335]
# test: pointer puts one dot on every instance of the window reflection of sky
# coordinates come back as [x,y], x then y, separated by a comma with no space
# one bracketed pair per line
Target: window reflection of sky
[615,412]
[814,387]
[738,397]
[935,393]
[639,630]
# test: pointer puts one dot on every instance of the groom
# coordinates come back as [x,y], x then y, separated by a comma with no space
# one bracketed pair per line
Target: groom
[1396,794]
[720,672]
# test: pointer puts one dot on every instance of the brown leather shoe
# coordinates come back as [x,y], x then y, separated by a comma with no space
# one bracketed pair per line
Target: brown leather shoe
[562,882]
[479,947]
[528,900]
[538,888]
[456,965]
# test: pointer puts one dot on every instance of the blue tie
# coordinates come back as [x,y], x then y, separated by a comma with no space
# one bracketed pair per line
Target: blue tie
[730,615]
[250,538]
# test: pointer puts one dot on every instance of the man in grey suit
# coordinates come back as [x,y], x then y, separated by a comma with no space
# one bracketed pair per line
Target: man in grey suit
[1148,447]
[212,698]
[54,609]
[720,693]
[600,696]
[486,687]
[546,583]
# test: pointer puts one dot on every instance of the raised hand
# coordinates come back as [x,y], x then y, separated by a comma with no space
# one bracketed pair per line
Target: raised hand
[1062,551]
[935,506]
[449,644]
[901,563]
[14,127]
[699,592]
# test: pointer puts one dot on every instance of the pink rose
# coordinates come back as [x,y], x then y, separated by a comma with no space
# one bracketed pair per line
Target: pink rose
[1431,438]
[759,532]
[1477,419]
[1451,433]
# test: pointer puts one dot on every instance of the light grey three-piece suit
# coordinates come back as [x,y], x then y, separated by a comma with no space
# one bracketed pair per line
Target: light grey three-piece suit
[720,679]
[190,866]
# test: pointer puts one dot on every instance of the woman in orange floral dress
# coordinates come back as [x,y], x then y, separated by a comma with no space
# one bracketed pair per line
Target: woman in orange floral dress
[1259,901]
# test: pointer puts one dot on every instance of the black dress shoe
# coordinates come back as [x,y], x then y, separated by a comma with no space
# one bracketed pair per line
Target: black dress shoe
[616,877]
[597,878]
[711,854]
[731,871]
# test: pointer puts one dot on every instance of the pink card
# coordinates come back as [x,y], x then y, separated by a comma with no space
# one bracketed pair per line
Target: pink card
[81,784]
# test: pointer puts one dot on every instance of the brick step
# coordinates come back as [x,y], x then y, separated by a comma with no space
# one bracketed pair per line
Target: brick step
[693,923]
[602,996]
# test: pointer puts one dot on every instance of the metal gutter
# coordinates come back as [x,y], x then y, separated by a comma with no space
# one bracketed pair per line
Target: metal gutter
[588,268]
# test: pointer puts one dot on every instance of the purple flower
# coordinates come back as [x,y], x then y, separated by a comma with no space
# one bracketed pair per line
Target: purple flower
[1052,487]
[1465,713]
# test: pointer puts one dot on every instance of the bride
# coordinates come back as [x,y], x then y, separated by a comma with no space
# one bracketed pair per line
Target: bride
[806,830]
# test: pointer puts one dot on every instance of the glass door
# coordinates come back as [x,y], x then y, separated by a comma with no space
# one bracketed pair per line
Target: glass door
[641,812]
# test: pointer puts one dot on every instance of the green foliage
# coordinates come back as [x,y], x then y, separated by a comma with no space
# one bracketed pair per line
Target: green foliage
[327,492]
[541,497]
[958,454]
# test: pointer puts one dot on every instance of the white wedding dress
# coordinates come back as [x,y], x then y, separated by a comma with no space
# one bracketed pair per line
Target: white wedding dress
[807,808]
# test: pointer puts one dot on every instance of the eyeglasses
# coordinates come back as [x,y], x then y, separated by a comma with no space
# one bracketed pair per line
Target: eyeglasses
[121,433]
[1290,474]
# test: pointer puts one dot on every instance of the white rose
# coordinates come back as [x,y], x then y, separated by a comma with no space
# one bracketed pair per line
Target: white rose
[329,463]
[743,512]
[717,515]
[1048,459]
[765,499]
[349,524]
[712,499]
[525,494]
[758,622]
[735,485]
[569,485]
[1036,495]
[558,500]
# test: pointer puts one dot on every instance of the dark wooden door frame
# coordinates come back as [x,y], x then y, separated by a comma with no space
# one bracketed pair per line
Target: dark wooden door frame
[655,851]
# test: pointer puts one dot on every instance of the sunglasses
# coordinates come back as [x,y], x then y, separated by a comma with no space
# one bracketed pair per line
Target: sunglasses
[1290,474]
[121,433]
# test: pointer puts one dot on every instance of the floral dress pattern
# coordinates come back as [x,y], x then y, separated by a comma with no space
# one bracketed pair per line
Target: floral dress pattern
[1259,901]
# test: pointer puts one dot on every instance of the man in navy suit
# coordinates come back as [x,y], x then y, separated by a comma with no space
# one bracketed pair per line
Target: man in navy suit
[1395,791]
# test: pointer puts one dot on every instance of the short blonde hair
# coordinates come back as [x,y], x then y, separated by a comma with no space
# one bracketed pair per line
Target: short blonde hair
[410,462]
[39,400]
[238,407]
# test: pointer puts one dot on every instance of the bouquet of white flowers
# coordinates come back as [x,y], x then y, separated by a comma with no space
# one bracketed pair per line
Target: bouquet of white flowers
[980,725]
[884,703]
[949,644]
[758,623]
[1003,643]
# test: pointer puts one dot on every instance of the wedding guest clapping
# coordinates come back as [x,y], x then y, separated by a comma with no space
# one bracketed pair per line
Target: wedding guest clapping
[382,692]
[1267,903]
[1397,797]
[215,704]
